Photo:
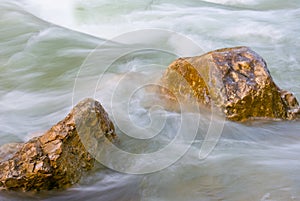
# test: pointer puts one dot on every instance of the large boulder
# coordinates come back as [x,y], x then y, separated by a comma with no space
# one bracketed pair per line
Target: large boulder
[58,158]
[235,80]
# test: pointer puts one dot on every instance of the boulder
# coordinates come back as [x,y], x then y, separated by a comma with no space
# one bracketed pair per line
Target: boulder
[234,80]
[58,158]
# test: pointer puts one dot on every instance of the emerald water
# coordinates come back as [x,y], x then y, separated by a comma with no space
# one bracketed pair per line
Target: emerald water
[53,54]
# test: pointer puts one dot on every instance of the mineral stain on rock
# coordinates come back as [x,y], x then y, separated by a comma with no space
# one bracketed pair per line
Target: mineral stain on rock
[58,158]
[235,80]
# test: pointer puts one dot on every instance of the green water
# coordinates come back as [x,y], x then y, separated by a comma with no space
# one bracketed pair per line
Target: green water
[43,46]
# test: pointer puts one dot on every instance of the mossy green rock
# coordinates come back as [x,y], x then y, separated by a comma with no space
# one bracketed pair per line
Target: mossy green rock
[58,158]
[235,80]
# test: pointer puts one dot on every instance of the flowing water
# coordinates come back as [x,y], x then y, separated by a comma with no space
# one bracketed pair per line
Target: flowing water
[48,63]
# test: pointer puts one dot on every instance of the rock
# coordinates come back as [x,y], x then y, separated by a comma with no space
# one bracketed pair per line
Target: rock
[58,158]
[235,80]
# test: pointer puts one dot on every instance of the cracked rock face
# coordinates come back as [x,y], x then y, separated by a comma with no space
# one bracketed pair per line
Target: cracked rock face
[235,80]
[58,158]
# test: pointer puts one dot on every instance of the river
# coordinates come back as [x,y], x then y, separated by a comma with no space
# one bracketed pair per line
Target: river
[55,53]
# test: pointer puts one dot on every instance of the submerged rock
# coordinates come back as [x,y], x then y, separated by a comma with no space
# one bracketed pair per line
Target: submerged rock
[58,158]
[8,150]
[235,80]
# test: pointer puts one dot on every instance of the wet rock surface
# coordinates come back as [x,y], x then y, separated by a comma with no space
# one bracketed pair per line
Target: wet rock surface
[235,80]
[58,158]
[8,150]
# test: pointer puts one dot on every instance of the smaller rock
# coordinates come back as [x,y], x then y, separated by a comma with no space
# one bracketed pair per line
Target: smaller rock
[58,158]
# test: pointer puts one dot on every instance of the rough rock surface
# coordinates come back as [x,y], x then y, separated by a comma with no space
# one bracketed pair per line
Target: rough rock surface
[235,80]
[58,158]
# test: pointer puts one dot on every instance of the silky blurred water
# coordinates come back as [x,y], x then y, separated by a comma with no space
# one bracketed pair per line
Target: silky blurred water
[44,44]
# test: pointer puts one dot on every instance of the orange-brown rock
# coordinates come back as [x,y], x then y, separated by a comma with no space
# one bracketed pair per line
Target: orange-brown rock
[58,158]
[235,80]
